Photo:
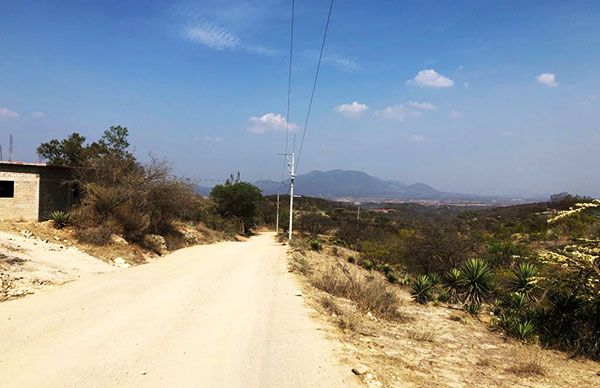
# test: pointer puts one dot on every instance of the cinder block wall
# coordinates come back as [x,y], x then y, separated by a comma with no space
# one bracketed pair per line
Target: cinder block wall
[56,192]
[25,204]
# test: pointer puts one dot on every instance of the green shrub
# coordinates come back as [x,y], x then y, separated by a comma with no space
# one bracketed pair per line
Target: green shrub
[443,296]
[367,264]
[391,277]
[315,245]
[351,259]
[60,219]
[422,289]
[475,281]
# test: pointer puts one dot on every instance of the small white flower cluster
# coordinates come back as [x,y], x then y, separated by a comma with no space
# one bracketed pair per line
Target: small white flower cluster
[579,208]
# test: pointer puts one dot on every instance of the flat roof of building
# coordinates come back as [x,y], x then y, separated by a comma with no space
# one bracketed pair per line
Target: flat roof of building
[29,164]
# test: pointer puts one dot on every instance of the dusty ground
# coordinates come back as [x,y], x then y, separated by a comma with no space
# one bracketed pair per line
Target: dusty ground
[435,346]
[28,264]
[222,315]
[35,255]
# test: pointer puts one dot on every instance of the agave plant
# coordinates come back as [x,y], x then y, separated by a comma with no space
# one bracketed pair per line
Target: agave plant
[422,289]
[475,280]
[452,284]
[524,331]
[435,278]
[516,301]
[59,218]
[524,279]
[473,308]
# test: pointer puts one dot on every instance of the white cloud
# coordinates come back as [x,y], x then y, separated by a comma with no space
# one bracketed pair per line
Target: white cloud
[342,62]
[6,113]
[454,114]
[430,78]
[466,85]
[400,112]
[421,105]
[397,112]
[416,138]
[355,109]
[219,38]
[547,79]
[212,36]
[38,115]
[334,59]
[261,50]
[208,139]
[269,122]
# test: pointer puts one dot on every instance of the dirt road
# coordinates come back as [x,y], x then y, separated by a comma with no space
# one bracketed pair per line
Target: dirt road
[222,315]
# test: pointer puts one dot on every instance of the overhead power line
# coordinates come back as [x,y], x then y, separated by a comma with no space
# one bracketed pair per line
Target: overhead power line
[312,94]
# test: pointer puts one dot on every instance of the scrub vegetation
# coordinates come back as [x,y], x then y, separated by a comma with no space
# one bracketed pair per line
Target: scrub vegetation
[534,268]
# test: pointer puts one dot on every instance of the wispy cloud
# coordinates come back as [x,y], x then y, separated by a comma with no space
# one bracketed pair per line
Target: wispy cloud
[416,138]
[430,78]
[342,62]
[336,60]
[38,115]
[455,114]
[421,105]
[6,113]
[208,31]
[400,112]
[547,79]
[353,110]
[269,122]
[211,36]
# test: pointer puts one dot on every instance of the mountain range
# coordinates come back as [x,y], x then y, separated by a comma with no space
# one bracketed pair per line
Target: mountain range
[358,185]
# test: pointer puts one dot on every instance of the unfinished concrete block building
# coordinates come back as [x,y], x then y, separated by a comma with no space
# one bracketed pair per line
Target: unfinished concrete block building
[31,191]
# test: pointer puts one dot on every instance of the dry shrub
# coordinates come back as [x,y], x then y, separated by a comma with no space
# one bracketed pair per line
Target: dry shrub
[530,367]
[484,362]
[97,235]
[421,335]
[369,294]
[346,320]
[7,284]
[139,199]
[175,240]
[300,264]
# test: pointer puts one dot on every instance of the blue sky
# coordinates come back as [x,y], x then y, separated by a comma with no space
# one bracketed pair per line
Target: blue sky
[490,97]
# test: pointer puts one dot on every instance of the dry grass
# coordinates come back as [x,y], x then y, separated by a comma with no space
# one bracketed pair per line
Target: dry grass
[370,294]
[421,335]
[300,265]
[346,319]
[7,283]
[528,364]
[431,346]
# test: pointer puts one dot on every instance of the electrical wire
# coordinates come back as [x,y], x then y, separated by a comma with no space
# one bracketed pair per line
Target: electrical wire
[312,94]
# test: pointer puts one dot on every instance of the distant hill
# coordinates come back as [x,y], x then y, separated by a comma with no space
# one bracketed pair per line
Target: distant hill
[358,185]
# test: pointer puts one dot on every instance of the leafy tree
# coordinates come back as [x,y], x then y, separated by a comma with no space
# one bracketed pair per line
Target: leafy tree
[236,199]
[73,151]
[67,152]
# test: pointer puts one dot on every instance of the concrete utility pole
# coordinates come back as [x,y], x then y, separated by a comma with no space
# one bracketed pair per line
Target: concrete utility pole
[277,222]
[292,177]
[291,166]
